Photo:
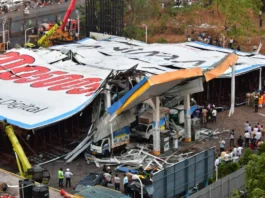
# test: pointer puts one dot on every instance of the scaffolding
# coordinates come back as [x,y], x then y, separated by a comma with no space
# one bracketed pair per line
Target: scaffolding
[105,16]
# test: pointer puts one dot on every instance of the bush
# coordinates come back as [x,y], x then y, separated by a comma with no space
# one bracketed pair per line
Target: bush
[245,157]
[162,40]
[132,31]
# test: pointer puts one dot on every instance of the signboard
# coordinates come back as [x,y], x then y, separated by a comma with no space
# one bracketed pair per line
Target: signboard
[121,137]
[34,93]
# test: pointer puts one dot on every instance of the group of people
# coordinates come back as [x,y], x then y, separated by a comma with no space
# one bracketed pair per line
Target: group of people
[229,155]
[207,113]
[67,175]
[253,135]
[116,180]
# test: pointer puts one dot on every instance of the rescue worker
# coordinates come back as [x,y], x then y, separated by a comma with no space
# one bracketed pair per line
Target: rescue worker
[109,170]
[117,182]
[60,177]
[68,176]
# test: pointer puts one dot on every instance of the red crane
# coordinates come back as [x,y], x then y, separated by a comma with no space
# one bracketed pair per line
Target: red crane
[68,14]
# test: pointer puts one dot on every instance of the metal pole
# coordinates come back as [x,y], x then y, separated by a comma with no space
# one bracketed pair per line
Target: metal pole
[156,134]
[146,32]
[26,34]
[260,78]
[187,123]
[4,35]
[232,108]
[142,193]
[216,169]
[78,24]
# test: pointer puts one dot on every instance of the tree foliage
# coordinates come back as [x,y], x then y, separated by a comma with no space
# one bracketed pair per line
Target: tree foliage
[255,176]
[246,156]
[237,13]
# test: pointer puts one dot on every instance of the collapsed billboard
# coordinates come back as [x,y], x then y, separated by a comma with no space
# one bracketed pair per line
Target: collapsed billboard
[34,93]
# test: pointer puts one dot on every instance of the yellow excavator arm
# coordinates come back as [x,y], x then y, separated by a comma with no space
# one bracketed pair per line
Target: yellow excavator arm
[44,41]
[25,165]
[26,170]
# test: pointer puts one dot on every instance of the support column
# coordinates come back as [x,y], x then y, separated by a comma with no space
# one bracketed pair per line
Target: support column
[260,78]
[156,136]
[107,97]
[187,118]
[232,107]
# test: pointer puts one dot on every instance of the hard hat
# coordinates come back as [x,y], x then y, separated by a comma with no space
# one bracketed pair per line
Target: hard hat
[108,167]
[67,169]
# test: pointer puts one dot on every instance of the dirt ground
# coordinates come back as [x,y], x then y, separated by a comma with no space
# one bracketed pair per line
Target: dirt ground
[80,168]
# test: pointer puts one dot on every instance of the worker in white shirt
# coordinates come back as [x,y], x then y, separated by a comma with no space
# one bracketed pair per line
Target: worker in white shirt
[247,136]
[239,151]
[68,176]
[217,162]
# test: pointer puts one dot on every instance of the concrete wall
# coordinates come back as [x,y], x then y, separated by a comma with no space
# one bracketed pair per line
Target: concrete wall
[40,15]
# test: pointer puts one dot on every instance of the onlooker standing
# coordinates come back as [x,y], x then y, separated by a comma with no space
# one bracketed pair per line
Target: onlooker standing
[232,138]
[247,136]
[258,135]
[125,183]
[249,128]
[239,151]
[246,126]
[217,162]
[204,115]
[214,114]
[222,145]
[117,182]
[240,141]
[60,177]
[68,176]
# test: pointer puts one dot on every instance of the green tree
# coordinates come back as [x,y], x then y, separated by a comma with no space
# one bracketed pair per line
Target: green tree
[261,149]
[255,176]
[246,157]
[237,13]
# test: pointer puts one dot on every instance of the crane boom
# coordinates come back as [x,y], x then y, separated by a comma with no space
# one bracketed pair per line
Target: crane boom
[26,170]
[69,11]
[18,150]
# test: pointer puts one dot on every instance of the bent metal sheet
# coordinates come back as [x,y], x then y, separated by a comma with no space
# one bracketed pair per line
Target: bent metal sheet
[34,93]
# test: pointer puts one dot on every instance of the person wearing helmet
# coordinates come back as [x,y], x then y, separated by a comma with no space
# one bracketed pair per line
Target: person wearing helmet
[109,170]
[68,176]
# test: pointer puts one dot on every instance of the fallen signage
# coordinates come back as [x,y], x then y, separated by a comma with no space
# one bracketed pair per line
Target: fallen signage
[34,93]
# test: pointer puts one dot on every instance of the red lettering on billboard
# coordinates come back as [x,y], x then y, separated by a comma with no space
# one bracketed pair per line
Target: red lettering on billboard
[15,74]
[56,80]
[16,67]
[39,77]
[8,54]
[89,89]
[75,84]
[20,60]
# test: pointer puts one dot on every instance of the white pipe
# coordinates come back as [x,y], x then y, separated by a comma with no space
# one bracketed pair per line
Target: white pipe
[26,34]
[81,144]
[146,29]
[4,35]
[232,108]
[142,193]
[260,78]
